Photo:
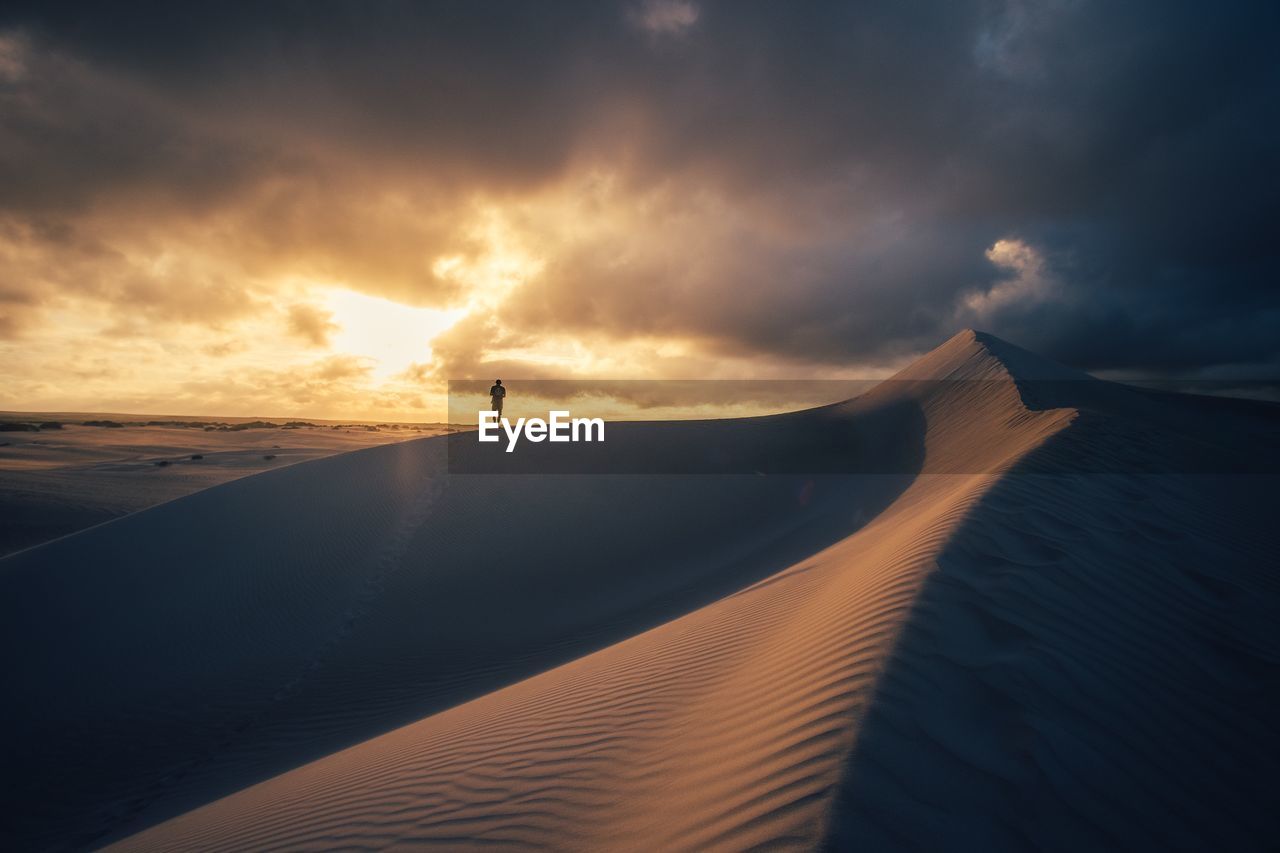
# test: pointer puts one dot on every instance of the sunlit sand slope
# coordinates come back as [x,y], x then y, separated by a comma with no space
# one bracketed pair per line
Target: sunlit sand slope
[726,728]
[183,653]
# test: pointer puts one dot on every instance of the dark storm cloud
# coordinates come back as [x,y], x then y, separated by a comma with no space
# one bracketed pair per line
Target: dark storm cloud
[819,181]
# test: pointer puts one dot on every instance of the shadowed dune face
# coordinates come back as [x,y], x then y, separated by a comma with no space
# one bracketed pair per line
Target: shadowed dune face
[877,434]
[1094,663]
[234,634]
[960,647]
[722,729]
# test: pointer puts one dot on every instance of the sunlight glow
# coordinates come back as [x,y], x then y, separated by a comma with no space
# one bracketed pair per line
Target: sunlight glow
[393,334]
[494,273]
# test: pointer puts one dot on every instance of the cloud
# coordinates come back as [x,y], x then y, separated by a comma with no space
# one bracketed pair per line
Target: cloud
[665,17]
[13,51]
[311,324]
[340,367]
[1028,284]
[646,188]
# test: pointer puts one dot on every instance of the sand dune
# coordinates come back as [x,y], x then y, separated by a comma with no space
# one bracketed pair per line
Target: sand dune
[1045,619]
[56,482]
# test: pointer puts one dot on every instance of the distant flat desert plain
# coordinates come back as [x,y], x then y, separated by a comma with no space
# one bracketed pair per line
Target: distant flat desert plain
[65,476]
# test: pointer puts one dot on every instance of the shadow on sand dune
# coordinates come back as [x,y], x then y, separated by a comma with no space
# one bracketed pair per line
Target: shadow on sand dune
[1038,644]
[185,652]
[1094,664]
[885,439]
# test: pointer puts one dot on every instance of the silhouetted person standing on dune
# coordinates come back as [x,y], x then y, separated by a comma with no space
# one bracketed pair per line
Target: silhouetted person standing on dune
[496,395]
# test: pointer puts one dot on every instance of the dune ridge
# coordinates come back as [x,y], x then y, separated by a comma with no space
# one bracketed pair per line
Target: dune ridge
[1094,662]
[725,728]
[880,666]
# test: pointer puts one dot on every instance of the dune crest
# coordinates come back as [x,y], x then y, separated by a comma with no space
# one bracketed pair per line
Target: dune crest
[780,673]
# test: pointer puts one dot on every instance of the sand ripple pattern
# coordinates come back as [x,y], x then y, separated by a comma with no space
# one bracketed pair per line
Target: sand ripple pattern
[726,729]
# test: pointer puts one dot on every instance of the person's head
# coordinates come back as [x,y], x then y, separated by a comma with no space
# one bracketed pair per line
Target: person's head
[497,382]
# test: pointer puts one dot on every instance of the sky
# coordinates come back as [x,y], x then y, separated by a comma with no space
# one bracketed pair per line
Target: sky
[332,209]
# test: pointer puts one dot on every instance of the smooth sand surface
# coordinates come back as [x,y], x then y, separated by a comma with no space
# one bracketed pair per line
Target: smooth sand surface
[1049,623]
[57,481]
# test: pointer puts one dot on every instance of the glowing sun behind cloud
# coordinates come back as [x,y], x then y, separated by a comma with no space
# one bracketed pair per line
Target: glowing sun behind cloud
[394,335]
